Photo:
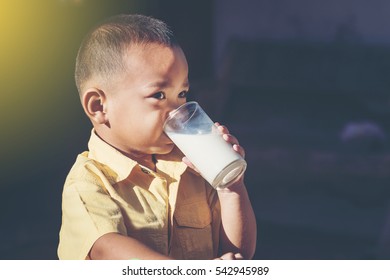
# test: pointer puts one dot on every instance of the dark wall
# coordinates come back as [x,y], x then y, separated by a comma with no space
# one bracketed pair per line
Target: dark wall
[192,22]
[303,86]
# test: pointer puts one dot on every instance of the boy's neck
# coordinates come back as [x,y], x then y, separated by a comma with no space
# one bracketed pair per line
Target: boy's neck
[150,163]
[146,160]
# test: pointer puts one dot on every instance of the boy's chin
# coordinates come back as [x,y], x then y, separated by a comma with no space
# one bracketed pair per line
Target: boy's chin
[166,149]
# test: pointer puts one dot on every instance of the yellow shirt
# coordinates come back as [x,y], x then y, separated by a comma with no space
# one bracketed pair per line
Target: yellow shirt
[173,210]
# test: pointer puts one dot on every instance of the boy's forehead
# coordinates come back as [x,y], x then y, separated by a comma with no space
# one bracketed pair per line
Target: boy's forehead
[154,66]
[153,56]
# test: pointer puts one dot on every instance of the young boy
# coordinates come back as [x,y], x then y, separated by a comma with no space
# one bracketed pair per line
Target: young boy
[133,195]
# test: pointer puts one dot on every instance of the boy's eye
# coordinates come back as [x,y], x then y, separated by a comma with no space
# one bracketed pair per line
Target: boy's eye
[183,94]
[159,95]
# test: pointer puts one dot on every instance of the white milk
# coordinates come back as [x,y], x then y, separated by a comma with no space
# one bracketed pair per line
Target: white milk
[210,154]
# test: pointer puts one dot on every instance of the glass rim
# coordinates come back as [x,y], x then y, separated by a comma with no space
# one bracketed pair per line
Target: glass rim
[174,112]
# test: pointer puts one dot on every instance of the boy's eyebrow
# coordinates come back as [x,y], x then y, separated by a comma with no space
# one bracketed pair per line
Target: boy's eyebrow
[165,84]
[159,84]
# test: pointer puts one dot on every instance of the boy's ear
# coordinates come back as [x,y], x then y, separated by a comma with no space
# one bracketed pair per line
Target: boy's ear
[94,104]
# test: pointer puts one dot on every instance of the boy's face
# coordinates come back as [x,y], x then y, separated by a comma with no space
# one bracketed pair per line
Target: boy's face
[156,82]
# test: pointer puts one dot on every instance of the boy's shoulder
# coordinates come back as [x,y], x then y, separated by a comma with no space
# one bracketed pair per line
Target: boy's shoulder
[86,170]
[82,163]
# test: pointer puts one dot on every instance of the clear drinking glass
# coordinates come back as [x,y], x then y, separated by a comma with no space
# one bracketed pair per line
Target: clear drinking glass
[196,135]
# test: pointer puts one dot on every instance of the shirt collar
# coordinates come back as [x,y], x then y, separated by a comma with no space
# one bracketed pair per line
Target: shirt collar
[109,156]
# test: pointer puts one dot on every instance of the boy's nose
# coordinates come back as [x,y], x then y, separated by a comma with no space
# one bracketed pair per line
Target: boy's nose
[174,105]
[172,108]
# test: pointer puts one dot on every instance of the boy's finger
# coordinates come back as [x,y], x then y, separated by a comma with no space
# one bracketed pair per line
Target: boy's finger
[238,256]
[231,139]
[239,149]
[223,129]
[227,256]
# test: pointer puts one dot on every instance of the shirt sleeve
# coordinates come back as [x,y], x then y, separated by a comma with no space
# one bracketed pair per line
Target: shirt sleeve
[88,212]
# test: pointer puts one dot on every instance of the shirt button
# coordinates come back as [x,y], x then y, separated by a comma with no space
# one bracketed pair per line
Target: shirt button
[145,170]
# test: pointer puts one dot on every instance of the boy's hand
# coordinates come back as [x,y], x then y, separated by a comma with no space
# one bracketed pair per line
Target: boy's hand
[231,139]
[230,256]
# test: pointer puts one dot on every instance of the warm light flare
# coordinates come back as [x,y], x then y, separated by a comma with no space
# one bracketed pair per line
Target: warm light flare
[39,103]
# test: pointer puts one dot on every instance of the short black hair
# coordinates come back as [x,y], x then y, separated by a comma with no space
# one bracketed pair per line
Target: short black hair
[101,52]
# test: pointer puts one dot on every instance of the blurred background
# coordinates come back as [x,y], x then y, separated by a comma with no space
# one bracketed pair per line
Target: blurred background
[303,84]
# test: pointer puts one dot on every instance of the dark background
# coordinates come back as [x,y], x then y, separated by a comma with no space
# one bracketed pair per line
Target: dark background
[303,84]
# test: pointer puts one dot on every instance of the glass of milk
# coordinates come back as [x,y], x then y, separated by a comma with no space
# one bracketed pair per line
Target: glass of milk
[196,135]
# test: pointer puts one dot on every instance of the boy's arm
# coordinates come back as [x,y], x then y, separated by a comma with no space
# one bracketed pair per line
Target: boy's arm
[239,229]
[114,246]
